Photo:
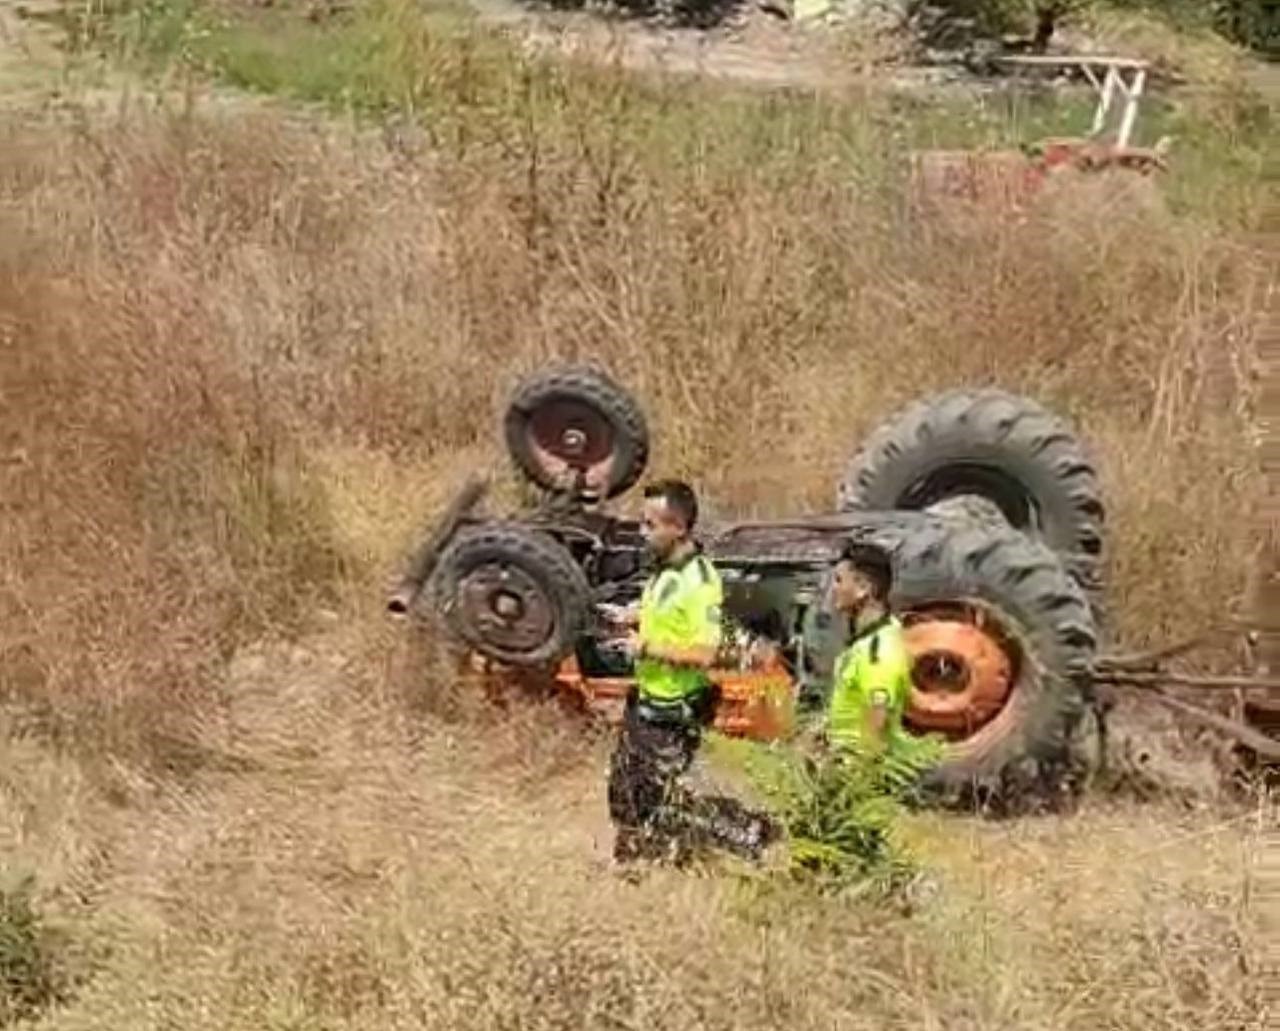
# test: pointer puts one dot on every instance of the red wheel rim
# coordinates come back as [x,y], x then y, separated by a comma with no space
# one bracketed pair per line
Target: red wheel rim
[566,436]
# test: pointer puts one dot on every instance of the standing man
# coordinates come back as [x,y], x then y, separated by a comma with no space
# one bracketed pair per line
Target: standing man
[677,638]
[872,682]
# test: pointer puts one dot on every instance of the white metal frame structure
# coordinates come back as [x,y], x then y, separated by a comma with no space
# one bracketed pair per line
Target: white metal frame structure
[1125,76]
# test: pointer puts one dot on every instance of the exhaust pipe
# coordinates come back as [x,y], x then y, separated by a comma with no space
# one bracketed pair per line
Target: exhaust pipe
[402,598]
[425,558]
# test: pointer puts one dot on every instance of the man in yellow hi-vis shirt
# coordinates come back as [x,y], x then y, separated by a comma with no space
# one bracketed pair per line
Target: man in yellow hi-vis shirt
[872,683]
[677,639]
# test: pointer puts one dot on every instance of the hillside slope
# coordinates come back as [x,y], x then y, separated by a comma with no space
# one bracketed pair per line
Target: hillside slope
[246,351]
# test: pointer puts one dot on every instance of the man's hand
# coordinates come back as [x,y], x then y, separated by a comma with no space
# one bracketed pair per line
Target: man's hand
[877,722]
[635,646]
[696,656]
[620,615]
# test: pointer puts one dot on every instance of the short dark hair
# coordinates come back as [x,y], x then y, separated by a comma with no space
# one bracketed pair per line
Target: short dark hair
[873,562]
[678,496]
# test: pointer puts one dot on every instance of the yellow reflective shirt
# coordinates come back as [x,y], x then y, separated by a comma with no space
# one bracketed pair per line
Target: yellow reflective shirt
[874,669]
[680,607]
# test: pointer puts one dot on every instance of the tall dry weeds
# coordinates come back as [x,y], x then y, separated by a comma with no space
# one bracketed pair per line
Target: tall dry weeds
[195,307]
[158,507]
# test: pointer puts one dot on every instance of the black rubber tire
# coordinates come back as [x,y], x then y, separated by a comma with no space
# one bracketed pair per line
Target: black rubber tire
[1030,756]
[1004,448]
[591,386]
[560,580]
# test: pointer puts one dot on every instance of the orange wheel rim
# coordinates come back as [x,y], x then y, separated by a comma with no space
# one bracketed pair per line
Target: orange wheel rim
[963,670]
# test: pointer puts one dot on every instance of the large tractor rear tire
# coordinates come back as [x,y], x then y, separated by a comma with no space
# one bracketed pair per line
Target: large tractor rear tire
[575,418]
[1002,640]
[1009,452]
[513,594]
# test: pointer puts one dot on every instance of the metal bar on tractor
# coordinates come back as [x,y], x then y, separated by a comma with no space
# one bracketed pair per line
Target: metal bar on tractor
[831,523]
[1159,678]
[424,559]
[1231,628]
[1258,743]
[1093,79]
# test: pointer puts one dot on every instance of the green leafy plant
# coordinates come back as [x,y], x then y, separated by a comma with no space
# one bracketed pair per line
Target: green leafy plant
[841,813]
[1254,23]
[32,974]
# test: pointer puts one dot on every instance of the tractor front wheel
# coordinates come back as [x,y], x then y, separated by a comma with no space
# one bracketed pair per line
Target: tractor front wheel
[513,594]
[572,421]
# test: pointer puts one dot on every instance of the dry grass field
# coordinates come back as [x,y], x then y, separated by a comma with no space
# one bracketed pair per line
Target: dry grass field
[244,353]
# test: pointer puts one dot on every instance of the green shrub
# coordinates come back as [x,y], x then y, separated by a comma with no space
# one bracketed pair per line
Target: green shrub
[841,816]
[998,16]
[1252,23]
[33,976]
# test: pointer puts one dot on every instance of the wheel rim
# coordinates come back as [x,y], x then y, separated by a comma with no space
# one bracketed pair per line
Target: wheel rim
[505,608]
[964,669]
[567,435]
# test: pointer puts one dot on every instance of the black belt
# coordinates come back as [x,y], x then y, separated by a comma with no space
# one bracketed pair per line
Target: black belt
[665,713]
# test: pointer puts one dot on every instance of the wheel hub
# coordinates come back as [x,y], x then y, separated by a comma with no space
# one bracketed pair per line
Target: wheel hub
[963,671]
[570,436]
[506,607]
[573,442]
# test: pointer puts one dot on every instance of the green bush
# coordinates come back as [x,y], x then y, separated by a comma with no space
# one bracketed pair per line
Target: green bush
[1000,16]
[1253,23]
[33,976]
[841,816]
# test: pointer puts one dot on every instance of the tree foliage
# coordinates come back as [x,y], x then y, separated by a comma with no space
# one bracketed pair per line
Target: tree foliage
[1252,23]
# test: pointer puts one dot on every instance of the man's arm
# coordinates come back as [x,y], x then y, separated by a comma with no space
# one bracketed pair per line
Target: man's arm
[700,656]
[700,652]
[877,717]
[883,677]
[863,680]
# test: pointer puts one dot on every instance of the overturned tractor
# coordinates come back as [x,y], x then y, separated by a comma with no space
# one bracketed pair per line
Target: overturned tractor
[988,502]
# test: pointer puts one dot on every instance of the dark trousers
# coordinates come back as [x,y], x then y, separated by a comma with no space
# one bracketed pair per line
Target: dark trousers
[654,815]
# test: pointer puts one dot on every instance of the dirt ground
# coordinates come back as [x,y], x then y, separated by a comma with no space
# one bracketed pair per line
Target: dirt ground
[752,47]
[763,51]
[759,50]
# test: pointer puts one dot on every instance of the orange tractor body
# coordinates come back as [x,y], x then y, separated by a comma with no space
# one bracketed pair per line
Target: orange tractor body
[962,678]
[756,704]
